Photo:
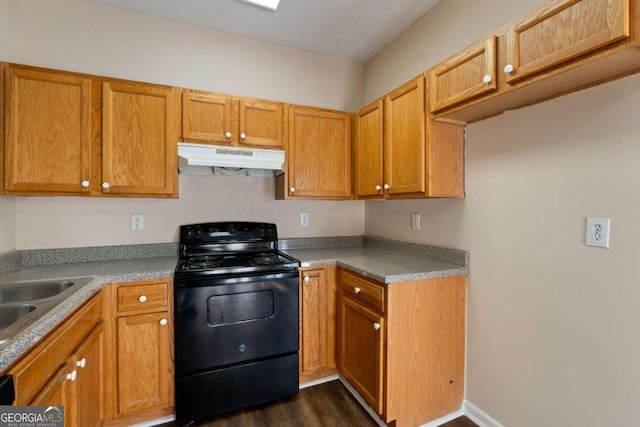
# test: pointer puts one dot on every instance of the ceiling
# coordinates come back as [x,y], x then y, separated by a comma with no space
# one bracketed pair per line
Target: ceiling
[352,29]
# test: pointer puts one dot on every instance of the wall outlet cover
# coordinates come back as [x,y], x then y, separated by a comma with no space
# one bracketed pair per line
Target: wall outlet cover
[597,232]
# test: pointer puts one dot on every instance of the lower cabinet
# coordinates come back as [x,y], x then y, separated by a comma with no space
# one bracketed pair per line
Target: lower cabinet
[140,334]
[317,322]
[66,369]
[401,345]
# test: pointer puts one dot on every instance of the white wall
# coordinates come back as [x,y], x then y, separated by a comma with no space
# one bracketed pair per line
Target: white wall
[7,224]
[81,36]
[551,322]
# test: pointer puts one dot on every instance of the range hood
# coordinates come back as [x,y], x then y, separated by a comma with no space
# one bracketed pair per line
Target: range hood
[228,157]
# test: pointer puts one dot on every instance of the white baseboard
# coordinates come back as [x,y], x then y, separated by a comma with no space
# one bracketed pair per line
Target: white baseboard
[478,416]
[445,419]
[156,422]
[319,381]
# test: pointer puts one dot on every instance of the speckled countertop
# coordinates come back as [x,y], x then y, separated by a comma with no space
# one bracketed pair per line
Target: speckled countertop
[383,260]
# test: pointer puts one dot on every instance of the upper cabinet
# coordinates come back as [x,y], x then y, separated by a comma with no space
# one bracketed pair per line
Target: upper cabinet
[318,155]
[138,139]
[48,131]
[465,75]
[222,120]
[72,134]
[559,31]
[560,47]
[400,153]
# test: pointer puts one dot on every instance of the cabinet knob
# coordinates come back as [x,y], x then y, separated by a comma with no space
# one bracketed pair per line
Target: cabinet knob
[292,190]
[163,322]
[487,79]
[142,298]
[227,134]
[105,185]
[378,188]
[376,326]
[306,278]
[243,135]
[85,184]
[357,290]
[81,363]
[387,186]
[72,376]
[508,69]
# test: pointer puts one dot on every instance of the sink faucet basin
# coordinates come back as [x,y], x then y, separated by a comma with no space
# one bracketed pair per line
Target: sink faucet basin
[32,291]
[24,303]
[10,314]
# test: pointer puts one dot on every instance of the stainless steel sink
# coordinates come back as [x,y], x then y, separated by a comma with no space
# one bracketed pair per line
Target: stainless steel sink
[10,314]
[23,303]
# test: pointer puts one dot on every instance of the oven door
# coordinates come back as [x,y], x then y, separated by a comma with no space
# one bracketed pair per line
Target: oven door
[222,322]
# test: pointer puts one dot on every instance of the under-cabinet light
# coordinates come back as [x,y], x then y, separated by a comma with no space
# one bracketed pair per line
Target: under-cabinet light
[267,4]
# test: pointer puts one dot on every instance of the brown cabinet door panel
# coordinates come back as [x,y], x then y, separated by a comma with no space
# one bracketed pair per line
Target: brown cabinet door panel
[207,117]
[139,144]
[562,30]
[89,384]
[48,145]
[261,124]
[368,151]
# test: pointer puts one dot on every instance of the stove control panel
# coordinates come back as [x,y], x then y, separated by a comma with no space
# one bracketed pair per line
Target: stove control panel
[221,232]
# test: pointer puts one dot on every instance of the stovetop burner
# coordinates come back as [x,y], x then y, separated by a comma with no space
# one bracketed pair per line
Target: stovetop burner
[230,248]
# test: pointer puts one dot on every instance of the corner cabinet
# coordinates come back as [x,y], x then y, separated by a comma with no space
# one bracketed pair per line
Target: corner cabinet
[223,120]
[318,163]
[317,322]
[74,134]
[67,369]
[400,153]
[401,345]
[140,334]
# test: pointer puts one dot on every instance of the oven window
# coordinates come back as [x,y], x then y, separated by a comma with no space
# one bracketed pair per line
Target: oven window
[242,307]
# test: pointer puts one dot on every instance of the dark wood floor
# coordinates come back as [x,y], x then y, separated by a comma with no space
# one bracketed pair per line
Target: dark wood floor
[328,404]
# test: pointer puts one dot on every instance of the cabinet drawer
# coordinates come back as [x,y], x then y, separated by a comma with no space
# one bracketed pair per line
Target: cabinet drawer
[143,297]
[361,290]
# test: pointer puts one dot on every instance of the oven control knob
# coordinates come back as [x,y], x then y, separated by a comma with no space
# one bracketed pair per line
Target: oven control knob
[242,348]
[231,229]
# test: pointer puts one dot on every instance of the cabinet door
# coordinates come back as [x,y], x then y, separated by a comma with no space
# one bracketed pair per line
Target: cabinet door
[561,30]
[55,392]
[362,351]
[144,356]
[48,134]
[89,383]
[469,73]
[404,139]
[207,117]
[261,124]
[368,151]
[139,139]
[317,323]
[319,150]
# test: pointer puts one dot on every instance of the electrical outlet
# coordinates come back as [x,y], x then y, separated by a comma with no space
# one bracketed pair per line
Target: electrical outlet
[597,232]
[304,219]
[137,222]
[415,221]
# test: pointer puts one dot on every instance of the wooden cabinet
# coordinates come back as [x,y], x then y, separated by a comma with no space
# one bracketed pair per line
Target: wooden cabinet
[73,134]
[559,31]
[66,369]
[400,153]
[48,138]
[141,354]
[401,345]
[318,163]
[469,73]
[223,120]
[560,47]
[139,150]
[317,322]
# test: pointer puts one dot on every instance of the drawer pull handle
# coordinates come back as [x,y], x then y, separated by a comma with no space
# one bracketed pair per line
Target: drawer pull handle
[376,326]
[357,290]
[142,298]
[163,322]
[81,363]
[306,278]
[73,375]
